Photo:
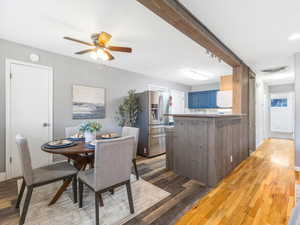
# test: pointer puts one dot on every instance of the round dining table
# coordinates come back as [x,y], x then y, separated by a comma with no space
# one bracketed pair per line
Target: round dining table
[78,153]
[81,156]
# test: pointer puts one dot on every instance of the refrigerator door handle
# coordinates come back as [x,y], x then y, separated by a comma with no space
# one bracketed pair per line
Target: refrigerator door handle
[160,108]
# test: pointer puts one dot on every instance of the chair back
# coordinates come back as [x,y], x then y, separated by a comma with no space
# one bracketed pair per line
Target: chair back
[132,131]
[113,160]
[69,131]
[25,159]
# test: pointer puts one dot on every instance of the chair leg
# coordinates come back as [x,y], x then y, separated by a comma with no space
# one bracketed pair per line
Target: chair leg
[112,191]
[80,192]
[96,209]
[100,199]
[92,163]
[74,184]
[26,205]
[84,166]
[135,169]
[20,194]
[130,200]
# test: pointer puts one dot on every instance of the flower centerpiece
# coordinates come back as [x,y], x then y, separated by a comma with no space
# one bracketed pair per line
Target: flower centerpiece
[89,130]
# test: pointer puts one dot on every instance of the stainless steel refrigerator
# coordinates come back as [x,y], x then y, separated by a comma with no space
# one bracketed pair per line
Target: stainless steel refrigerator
[152,122]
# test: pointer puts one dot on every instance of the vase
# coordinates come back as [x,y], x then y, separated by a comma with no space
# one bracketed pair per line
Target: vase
[89,136]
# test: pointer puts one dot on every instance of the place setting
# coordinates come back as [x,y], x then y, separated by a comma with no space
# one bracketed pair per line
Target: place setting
[62,143]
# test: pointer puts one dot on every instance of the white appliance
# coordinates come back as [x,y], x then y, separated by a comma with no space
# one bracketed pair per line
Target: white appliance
[224,99]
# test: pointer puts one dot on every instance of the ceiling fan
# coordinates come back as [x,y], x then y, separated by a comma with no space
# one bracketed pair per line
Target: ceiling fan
[101,48]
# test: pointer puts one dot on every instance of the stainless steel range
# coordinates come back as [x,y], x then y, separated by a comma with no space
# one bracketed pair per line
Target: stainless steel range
[152,122]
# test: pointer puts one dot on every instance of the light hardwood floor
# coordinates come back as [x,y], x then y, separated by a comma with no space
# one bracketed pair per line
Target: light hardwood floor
[261,191]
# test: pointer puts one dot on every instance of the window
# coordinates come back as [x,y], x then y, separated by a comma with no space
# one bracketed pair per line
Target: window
[279,102]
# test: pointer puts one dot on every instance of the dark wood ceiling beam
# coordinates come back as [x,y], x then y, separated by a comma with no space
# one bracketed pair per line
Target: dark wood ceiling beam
[178,16]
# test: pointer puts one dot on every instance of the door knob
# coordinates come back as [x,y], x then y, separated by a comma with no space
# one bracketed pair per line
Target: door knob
[46,124]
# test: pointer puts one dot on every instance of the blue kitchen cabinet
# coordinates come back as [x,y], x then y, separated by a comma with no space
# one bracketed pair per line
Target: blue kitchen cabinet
[202,99]
[192,100]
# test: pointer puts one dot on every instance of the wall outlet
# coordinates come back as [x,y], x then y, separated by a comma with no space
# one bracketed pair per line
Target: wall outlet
[231,159]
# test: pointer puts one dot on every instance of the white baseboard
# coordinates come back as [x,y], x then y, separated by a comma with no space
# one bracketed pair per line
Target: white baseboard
[297,168]
[2,176]
[260,143]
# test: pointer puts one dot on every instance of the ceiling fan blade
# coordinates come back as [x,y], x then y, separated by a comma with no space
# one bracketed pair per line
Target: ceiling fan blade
[104,38]
[78,41]
[109,56]
[119,49]
[85,51]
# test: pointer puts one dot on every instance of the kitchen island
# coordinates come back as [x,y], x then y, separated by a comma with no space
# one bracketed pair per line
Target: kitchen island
[207,147]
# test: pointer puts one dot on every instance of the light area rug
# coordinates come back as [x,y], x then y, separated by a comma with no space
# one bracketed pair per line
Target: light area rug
[114,212]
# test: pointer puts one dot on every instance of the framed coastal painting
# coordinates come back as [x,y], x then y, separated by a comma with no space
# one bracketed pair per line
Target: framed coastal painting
[88,102]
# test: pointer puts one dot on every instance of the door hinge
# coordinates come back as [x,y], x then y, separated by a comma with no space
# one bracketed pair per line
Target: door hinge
[10,75]
[10,159]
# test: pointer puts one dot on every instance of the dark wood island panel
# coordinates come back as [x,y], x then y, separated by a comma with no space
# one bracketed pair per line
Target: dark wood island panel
[207,147]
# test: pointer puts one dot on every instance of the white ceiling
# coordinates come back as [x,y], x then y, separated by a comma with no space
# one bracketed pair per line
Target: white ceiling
[257,31]
[159,50]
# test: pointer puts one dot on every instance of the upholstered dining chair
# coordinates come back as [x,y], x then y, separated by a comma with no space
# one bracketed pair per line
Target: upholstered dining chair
[133,131]
[40,176]
[69,131]
[112,169]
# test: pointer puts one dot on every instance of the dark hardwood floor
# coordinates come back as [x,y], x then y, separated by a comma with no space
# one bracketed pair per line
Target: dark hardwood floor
[8,197]
[184,193]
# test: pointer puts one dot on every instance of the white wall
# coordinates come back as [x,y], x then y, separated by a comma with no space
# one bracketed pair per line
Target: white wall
[297,109]
[206,87]
[263,91]
[260,111]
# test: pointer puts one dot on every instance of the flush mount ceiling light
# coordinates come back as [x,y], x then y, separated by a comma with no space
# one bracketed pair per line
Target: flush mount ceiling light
[294,36]
[196,75]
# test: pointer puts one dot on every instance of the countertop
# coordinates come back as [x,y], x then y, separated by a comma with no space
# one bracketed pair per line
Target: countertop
[199,115]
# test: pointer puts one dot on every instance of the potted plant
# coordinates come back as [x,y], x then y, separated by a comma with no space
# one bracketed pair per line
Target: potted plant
[89,130]
[128,111]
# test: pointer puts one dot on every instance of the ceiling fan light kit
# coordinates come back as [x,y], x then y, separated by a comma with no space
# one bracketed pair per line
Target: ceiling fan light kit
[101,46]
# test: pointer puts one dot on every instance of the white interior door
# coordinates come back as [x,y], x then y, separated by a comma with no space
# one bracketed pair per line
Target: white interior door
[282,112]
[30,113]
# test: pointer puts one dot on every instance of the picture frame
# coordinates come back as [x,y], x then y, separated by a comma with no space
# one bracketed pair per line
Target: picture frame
[88,102]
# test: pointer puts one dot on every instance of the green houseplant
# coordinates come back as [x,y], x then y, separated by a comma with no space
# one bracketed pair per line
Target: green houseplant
[89,130]
[127,113]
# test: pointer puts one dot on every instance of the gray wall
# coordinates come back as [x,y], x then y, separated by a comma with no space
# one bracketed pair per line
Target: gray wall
[69,71]
[297,109]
